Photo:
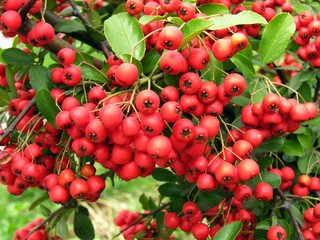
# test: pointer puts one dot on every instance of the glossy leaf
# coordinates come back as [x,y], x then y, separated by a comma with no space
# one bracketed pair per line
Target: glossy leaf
[83,226]
[150,60]
[242,18]
[38,201]
[299,7]
[4,98]
[40,78]
[90,72]
[144,19]
[45,211]
[193,28]
[276,37]
[292,147]
[207,200]
[306,140]
[265,162]
[272,145]
[229,231]
[11,81]
[69,26]
[169,190]
[16,57]
[123,33]
[213,8]
[161,174]
[307,162]
[244,64]
[271,178]
[303,76]
[62,227]
[46,105]
[160,221]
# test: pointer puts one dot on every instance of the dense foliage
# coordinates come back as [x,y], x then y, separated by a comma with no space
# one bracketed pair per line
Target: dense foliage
[216,100]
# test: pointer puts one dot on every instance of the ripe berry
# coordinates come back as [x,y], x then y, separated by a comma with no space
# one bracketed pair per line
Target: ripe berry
[79,188]
[263,192]
[170,38]
[134,7]
[10,21]
[126,74]
[171,220]
[66,56]
[234,84]
[147,101]
[71,76]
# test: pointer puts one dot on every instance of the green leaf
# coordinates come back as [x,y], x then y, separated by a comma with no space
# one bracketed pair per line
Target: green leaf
[265,162]
[297,213]
[94,18]
[90,72]
[4,98]
[302,76]
[83,226]
[144,201]
[160,221]
[307,162]
[144,19]
[242,18]
[121,8]
[38,201]
[286,226]
[169,190]
[11,82]
[229,231]
[69,26]
[62,227]
[161,174]
[16,56]
[213,8]
[292,147]
[44,210]
[123,33]
[193,28]
[306,141]
[207,200]
[263,225]
[175,20]
[40,78]
[299,7]
[46,105]
[95,34]
[271,178]
[171,80]
[272,145]
[244,64]
[306,92]
[276,37]
[150,61]
[257,89]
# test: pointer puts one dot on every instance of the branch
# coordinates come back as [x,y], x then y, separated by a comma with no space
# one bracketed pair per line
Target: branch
[143,216]
[287,205]
[77,13]
[51,216]
[13,125]
[26,8]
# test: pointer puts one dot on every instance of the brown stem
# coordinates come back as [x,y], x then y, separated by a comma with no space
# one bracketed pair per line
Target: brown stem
[52,215]
[143,216]
[26,8]
[15,122]
[287,205]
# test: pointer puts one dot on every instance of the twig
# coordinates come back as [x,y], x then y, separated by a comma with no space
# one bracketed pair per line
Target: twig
[51,215]
[287,205]
[143,216]
[77,13]
[26,8]
[15,122]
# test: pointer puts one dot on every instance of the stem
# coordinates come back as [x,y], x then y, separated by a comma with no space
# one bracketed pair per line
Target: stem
[143,216]
[287,205]
[51,216]
[26,8]
[13,125]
